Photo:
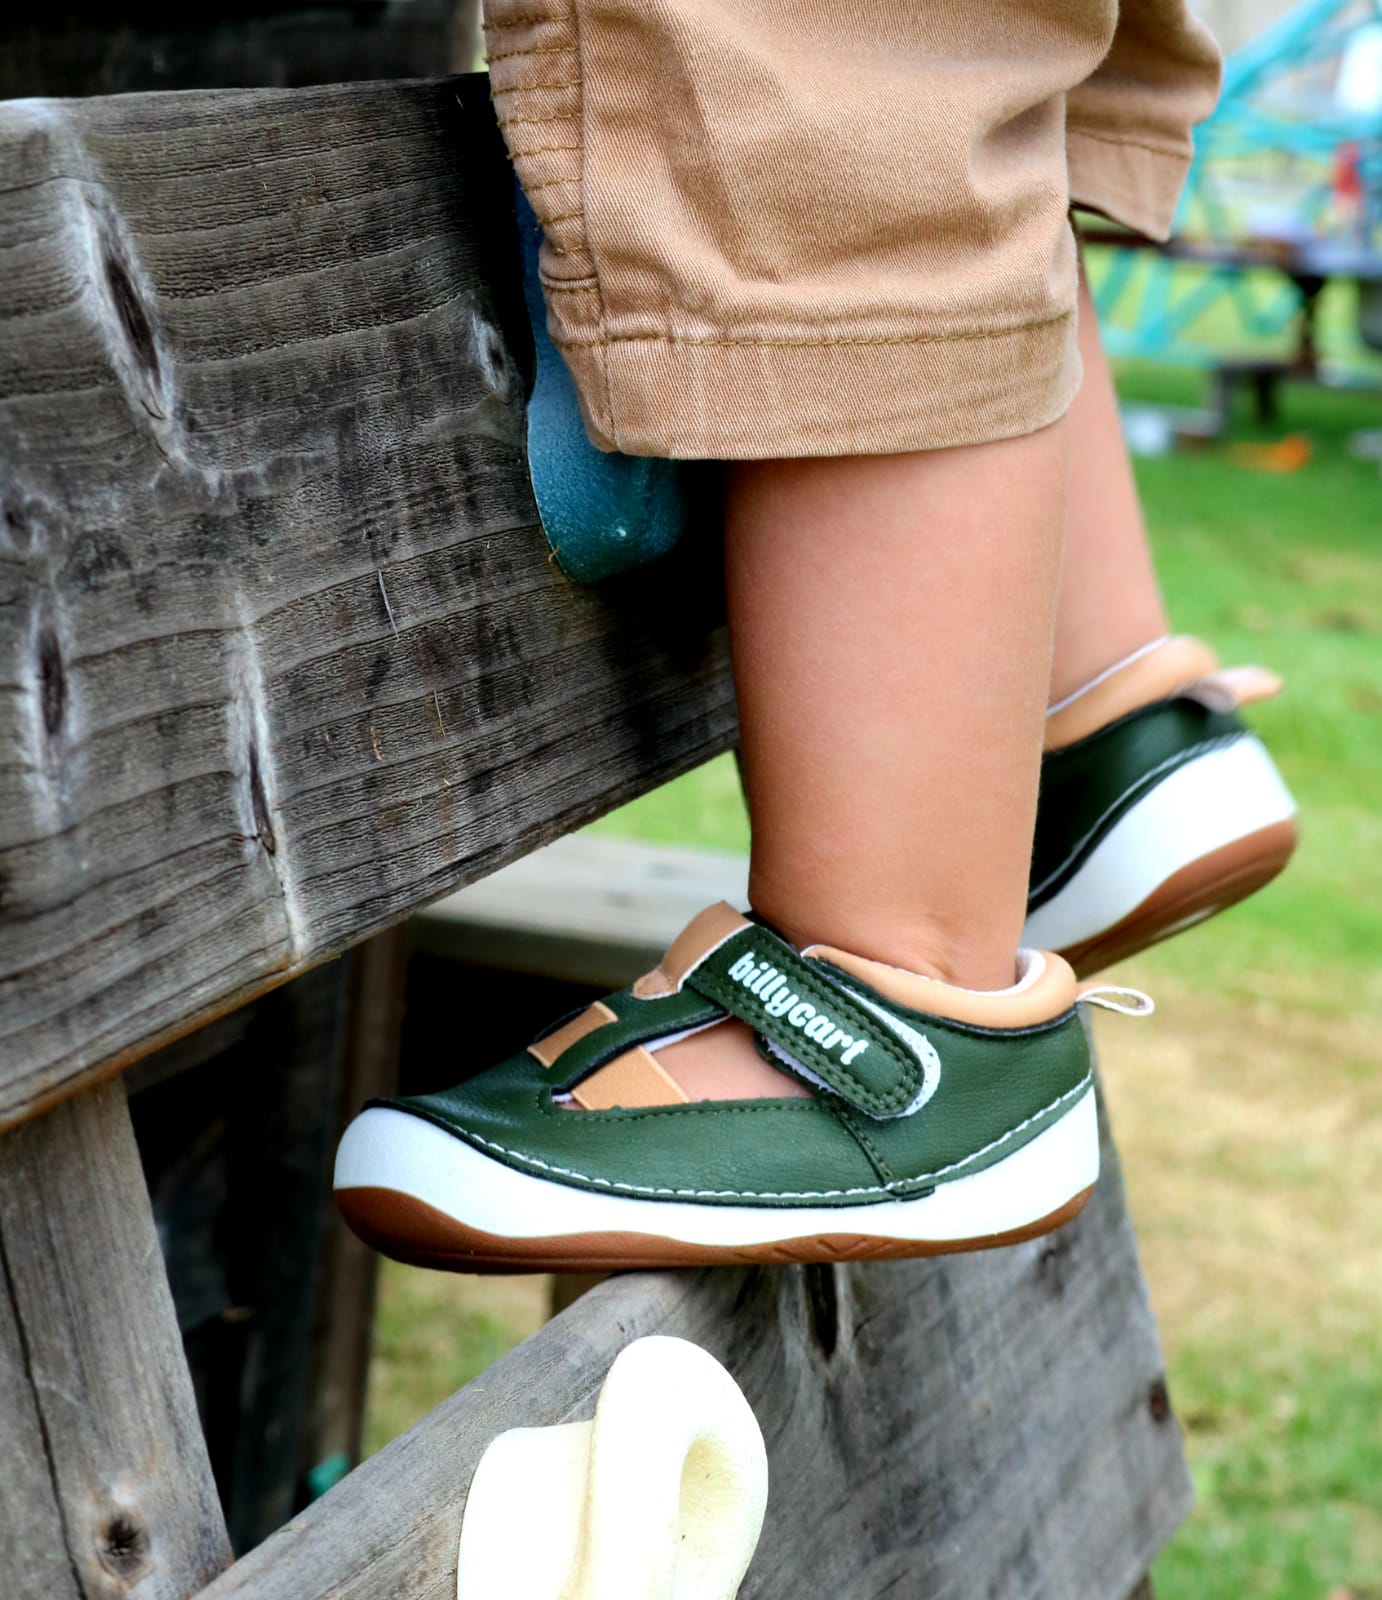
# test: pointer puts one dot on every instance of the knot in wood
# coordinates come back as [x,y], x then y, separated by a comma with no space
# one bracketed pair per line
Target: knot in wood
[52,680]
[17,530]
[129,308]
[491,356]
[129,324]
[123,1546]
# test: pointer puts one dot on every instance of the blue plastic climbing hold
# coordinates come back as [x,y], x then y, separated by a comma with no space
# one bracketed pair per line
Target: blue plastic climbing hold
[602,512]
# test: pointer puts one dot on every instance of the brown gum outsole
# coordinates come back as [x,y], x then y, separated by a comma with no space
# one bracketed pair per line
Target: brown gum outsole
[1213,883]
[411,1231]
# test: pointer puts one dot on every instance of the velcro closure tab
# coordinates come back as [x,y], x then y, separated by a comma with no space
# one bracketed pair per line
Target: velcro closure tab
[844,1042]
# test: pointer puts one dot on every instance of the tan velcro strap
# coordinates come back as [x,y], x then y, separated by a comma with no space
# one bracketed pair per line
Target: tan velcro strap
[550,1049]
[1141,681]
[631,1080]
[698,938]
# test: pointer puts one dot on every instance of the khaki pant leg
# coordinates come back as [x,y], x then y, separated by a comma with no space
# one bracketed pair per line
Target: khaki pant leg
[813,228]
[1129,125]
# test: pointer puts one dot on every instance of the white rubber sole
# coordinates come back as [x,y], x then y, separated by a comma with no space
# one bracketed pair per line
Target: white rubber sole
[388,1150]
[1203,807]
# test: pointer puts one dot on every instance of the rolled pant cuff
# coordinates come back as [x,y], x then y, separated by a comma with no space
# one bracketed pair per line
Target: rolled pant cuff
[1137,185]
[746,399]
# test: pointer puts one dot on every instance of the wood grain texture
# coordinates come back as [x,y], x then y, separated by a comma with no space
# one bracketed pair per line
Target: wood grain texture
[105,1487]
[989,1425]
[281,653]
[89,47]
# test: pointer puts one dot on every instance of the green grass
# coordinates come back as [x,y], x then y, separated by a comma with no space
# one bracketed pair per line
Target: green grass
[433,1333]
[705,809]
[1286,1472]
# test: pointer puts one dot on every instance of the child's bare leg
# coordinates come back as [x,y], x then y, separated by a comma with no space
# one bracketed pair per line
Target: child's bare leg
[1197,815]
[892,620]
[1110,604]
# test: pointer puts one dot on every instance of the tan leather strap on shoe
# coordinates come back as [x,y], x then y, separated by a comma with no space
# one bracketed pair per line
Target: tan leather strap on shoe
[698,938]
[1145,677]
[553,1046]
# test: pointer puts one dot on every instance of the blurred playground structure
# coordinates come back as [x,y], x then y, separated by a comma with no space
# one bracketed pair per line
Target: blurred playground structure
[1284,200]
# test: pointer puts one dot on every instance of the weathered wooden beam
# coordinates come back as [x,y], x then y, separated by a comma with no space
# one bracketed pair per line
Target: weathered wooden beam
[282,655]
[105,1487]
[80,47]
[983,1425]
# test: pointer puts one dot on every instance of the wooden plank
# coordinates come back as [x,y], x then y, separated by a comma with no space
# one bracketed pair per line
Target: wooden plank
[105,1488]
[586,909]
[983,1425]
[75,48]
[282,655]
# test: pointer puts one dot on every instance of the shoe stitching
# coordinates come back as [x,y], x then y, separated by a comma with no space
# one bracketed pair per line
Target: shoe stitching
[1180,759]
[693,1109]
[783,1194]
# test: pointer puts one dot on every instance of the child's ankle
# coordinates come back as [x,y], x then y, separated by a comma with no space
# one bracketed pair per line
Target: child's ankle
[919,943]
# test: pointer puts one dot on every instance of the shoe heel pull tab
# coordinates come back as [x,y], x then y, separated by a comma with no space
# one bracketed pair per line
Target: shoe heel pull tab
[1116,997]
[1231,688]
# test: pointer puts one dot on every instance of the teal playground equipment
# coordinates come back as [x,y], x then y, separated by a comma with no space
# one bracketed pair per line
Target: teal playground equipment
[1285,197]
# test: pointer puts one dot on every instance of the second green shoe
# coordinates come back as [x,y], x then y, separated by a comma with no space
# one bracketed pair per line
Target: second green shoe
[872,1113]
[1159,806]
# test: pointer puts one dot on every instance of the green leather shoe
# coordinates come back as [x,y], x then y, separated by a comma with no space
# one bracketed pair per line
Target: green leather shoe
[875,1114]
[1159,806]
